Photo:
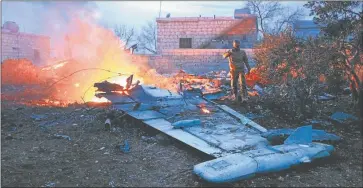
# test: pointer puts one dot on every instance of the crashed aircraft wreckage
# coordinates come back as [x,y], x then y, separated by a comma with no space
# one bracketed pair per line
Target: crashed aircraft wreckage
[235,141]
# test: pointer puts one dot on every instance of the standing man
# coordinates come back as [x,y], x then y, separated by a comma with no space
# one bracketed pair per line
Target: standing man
[237,61]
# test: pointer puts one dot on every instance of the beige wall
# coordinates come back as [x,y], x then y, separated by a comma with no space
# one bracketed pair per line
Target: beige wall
[197,61]
[201,29]
[22,45]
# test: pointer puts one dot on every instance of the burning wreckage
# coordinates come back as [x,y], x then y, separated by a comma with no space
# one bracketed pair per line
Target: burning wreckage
[238,144]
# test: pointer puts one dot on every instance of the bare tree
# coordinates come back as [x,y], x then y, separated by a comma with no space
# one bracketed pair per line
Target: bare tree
[147,37]
[272,16]
[287,19]
[125,34]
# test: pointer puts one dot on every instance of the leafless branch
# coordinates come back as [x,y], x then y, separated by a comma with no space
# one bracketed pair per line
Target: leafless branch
[288,19]
[125,34]
[147,37]
[269,12]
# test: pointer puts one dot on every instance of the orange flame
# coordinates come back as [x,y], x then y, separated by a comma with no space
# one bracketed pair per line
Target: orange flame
[100,100]
[96,54]
[204,110]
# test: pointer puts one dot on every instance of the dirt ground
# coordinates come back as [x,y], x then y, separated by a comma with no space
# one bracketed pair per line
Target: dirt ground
[32,156]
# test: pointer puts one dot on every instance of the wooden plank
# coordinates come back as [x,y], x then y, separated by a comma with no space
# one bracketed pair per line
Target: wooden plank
[146,115]
[185,137]
[243,119]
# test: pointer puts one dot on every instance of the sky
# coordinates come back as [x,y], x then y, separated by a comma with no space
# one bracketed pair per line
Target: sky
[31,14]
[50,17]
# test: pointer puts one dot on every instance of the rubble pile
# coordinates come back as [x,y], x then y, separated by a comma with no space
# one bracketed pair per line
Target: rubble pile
[217,83]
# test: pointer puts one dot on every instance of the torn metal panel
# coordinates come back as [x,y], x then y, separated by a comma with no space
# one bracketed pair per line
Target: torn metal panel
[190,93]
[166,103]
[186,123]
[302,135]
[230,137]
[253,116]
[171,111]
[341,117]
[146,115]
[125,107]
[108,87]
[269,159]
[213,96]
[129,81]
[159,93]
[167,128]
[233,138]
[244,119]
[116,98]
[317,135]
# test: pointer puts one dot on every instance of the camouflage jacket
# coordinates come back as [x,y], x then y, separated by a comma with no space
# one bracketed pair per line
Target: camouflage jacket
[237,59]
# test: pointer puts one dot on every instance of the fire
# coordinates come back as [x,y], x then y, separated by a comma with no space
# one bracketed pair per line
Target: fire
[121,80]
[56,66]
[98,49]
[252,93]
[102,99]
[59,65]
[96,55]
[204,110]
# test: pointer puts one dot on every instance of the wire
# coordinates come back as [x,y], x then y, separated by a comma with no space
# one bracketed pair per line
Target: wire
[119,74]
[93,86]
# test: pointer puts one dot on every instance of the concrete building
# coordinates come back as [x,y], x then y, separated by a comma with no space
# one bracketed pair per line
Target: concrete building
[206,32]
[196,44]
[16,45]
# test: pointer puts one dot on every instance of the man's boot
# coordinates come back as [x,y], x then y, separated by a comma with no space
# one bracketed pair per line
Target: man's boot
[239,99]
[236,99]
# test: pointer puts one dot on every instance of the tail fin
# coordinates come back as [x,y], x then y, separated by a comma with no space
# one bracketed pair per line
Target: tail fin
[302,135]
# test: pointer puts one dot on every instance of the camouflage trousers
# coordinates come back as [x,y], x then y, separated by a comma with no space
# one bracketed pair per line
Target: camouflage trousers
[238,78]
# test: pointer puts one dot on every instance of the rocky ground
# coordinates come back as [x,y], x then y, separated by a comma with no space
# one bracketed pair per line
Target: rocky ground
[31,154]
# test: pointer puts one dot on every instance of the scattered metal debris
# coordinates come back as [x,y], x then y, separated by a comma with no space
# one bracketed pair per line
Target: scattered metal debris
[341,117]
[317,135]
[259,89]
[326,97]
[148,139]
[101,148]
[319,122]
[125,147]
[50,184]
[63,136]
[111,183]
[187,123]
[108,87]
[253,116]
[347,91]
[108,124]
[38,117]
[234,139]
[245,165]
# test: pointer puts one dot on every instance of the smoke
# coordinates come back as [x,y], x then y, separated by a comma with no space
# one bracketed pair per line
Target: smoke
[59,16]
[74,27]
[50,18]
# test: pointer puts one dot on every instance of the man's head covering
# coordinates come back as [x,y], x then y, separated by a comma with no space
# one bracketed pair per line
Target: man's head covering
[236,43]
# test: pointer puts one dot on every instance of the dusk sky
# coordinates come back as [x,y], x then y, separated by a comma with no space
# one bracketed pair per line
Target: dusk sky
[51,18]
[31,15]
